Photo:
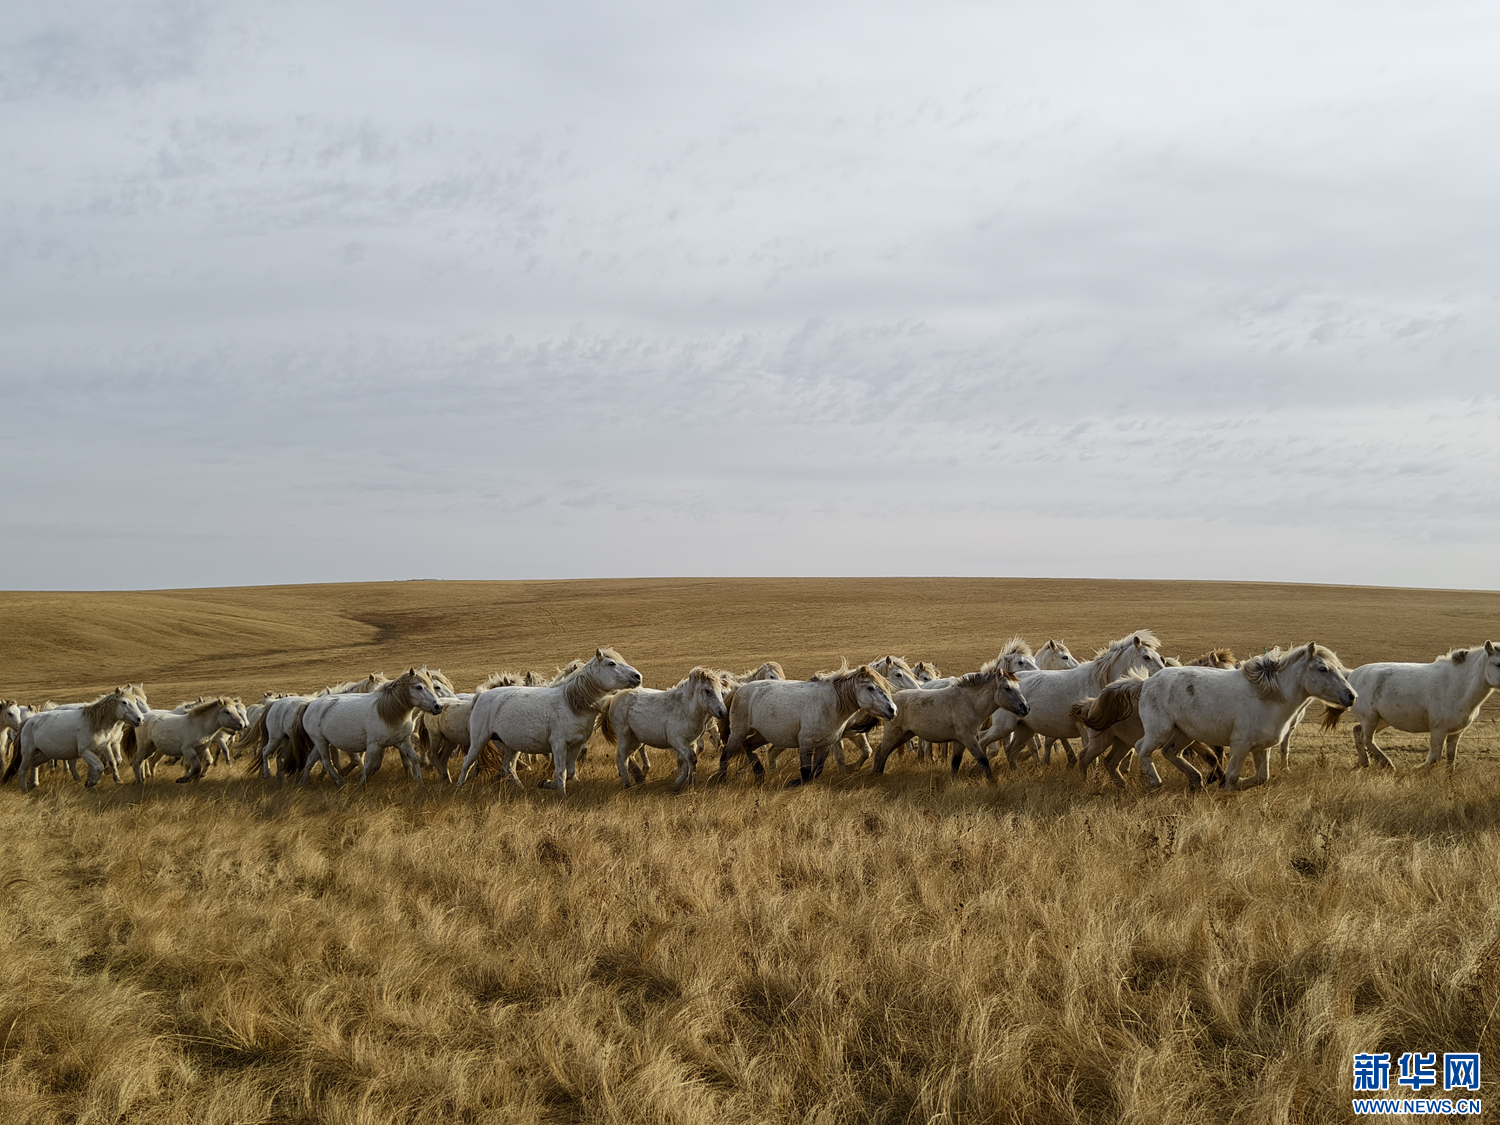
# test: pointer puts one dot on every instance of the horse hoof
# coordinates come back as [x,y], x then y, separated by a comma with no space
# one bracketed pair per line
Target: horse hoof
[184,779]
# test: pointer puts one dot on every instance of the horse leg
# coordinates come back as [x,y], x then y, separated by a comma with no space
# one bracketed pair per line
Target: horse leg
[1435,738]
[1118,750]
[30,774]
[408,754]
[1453,749]
[559,779]
[1067,746]
[972,745]
[806,749]
[112,759]
[1144,748]
[864,751]
[687,762]
[374,755]
[1238,752]
[624,747]
[1286,748]
[191,766]
[1172,751]
[1369,735]
[95,766]
[892,737]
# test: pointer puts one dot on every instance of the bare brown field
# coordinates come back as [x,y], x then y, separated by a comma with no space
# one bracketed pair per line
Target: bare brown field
[911,948]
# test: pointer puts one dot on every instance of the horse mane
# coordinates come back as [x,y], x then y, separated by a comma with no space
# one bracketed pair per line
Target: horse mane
[393,700]
[896,662]
[533,679]
[1105,658]
[1057,647]
[1264,673]
[202,705]
[770,670]
[991,672]
[1016,646]
[437,677]
[699,675]
[1214,658]
[581,691]
[498,679]
[101,712]
[846,681]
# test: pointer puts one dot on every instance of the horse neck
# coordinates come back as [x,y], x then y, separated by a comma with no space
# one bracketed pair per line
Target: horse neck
[581,692]
[393,701]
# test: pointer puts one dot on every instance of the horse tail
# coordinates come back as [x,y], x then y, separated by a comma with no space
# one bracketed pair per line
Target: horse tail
[127,744]
[1332,715]
[252,738]
[1119,701]
[299,745]
[1079,712]
[15,759]
[606,722]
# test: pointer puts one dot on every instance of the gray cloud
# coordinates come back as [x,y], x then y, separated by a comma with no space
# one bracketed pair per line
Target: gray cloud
[1071,289]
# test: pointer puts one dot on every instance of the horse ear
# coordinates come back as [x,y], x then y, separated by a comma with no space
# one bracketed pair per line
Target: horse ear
[1489,648]
[1137,641]
[599,652]
[1312,647]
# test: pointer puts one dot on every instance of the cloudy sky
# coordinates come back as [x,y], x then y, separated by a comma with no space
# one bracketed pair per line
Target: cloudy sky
[316,291]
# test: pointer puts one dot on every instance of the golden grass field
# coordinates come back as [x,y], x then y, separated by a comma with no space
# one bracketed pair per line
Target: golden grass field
[910,948]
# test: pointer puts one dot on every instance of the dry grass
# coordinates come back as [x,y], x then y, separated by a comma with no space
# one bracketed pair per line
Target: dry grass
[903,949]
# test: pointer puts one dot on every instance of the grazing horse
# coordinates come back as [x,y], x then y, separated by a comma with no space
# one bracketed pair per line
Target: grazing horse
[808,714]
[184,733]
[557,718]
[954,713]
[363,724]
[1442,698]
[1246,708]
[68,733]
[642,717]
[1051,695]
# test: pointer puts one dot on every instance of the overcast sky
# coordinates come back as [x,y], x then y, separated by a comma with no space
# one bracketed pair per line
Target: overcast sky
[318,292]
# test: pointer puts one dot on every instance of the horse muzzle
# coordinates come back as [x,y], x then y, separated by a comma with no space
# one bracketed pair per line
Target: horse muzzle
[1021,710]
[1347,698]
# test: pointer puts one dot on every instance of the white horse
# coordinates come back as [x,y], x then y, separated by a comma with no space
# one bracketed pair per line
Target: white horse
[557,718]
[901,678]
[954,713]
[442,735]
[363,724]
[1442,698]
[808,714]
[641,717]
[269,734]
[68,733]
[1117,740]
[1051,695]
[184,733]
[1051,657]
[1246,708]
[12,715]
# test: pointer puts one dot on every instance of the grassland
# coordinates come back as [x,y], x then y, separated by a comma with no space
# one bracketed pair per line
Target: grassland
[908,949]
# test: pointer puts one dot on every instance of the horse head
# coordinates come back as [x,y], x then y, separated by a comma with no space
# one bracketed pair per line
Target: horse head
[872,691]
[1008,694]
[1323,677]
[712,686]
[131,708]
[609,670]
[423,694]
[1492,664]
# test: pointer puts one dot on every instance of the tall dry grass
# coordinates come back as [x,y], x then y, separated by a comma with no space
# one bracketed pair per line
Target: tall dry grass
[899,949]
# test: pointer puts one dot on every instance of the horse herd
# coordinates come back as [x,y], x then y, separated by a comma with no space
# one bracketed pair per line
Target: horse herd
[1207,716]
